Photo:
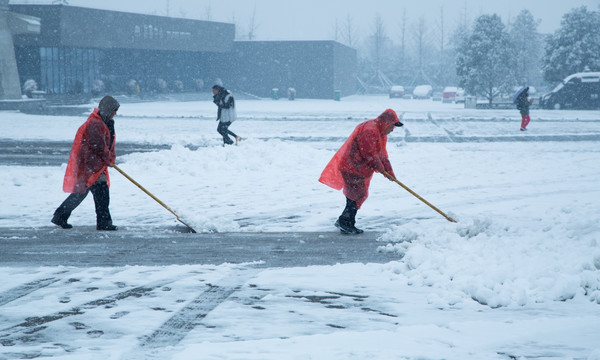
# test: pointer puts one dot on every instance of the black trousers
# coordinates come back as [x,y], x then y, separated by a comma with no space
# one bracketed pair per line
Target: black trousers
[223,129]
[348,217]
[101,200]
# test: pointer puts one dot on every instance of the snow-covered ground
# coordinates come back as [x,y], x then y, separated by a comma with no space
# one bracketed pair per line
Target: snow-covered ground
[517,277]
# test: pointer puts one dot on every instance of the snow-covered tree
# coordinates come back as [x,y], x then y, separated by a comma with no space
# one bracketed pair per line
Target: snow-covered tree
[527,47]
[574,47]
[484,64]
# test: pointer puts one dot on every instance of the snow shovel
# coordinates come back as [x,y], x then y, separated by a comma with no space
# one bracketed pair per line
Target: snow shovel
[152,196]
[420,198]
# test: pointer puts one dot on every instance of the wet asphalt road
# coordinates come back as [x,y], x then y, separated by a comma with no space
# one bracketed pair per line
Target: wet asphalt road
[85,246]
[53,153]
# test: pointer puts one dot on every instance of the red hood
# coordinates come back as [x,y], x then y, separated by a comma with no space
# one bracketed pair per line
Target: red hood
[386,118]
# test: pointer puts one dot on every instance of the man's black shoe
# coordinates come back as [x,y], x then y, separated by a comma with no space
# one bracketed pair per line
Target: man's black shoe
[347,229]
[61,222]
[107,228]
[344,229]
[356,230]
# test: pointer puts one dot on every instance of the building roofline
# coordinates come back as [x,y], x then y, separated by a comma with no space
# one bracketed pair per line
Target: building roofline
[117,11]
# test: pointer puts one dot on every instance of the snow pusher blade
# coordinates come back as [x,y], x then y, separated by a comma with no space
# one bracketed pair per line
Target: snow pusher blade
[152,196]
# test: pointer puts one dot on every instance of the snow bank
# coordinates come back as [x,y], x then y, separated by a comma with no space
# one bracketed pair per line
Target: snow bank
[501,264]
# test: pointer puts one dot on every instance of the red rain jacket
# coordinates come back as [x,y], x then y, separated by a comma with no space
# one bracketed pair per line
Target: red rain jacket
[90,155]
[363,153]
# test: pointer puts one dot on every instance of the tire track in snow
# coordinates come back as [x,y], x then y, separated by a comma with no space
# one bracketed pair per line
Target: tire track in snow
[25,289]
[24,331]
[185,320]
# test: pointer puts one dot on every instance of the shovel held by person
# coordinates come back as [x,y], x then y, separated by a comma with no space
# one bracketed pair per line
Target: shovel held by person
[152,196]
[389,176]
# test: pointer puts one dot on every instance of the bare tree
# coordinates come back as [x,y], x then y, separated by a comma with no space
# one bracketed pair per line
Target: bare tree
[422,43]
[441,26]
[379,38]
[349,32]
[421,40]
[403,37]
[252,25]
[336,30]
[208,11]
[443,74]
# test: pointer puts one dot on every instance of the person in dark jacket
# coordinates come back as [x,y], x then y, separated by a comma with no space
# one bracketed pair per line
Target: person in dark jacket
[523,104]
[353,165]
[87,170]
[226,113]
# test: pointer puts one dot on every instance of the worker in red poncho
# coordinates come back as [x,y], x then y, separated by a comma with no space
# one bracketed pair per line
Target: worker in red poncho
[92,152]
[353,165]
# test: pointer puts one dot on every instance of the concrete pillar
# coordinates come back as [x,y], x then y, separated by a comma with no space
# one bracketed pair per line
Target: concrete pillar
[10,87]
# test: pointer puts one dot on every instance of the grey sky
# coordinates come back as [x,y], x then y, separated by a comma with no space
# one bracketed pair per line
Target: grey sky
[315,19]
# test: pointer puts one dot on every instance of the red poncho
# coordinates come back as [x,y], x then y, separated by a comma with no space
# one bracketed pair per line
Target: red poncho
[90,155]
[363,153]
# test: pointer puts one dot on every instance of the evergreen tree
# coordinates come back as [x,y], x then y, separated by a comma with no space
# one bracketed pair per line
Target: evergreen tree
[527,47]
[484,63]
[574,47]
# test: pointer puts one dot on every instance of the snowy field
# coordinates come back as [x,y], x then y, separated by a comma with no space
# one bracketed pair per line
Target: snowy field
[518,277]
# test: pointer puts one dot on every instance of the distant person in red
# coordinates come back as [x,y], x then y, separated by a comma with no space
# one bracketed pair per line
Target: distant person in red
[523,104]
[87,171]
[353,165]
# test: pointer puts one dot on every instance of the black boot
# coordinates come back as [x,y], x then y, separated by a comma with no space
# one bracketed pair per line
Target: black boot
[355,230]
[344,226]
[60,221]
[63,212]
[110,227]
[347,220]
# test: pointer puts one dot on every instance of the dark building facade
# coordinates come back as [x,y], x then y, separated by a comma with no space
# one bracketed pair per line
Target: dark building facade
[80,49]
[315,69]
[77,46]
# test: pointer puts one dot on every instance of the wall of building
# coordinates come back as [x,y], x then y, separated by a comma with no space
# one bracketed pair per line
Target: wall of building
[345,69]
[79,46]
[314,68]
[70,26]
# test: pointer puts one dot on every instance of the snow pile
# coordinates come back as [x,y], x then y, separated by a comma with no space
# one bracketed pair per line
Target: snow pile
[498,264]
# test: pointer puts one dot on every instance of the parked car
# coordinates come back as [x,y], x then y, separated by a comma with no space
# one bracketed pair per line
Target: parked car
[449,94]
[576,91]
[396,91]
[422,92]
[460,96]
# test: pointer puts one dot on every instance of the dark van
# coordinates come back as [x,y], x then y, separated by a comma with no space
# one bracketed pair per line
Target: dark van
[577,91]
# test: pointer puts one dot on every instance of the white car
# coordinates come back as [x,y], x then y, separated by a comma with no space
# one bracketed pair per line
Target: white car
[422,92]
[449,94]
[460,96]
[396,91]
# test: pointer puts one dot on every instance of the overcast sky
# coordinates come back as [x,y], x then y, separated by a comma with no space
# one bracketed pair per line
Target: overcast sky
[316,19]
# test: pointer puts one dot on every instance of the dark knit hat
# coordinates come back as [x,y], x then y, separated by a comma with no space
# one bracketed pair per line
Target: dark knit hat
[107,106]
